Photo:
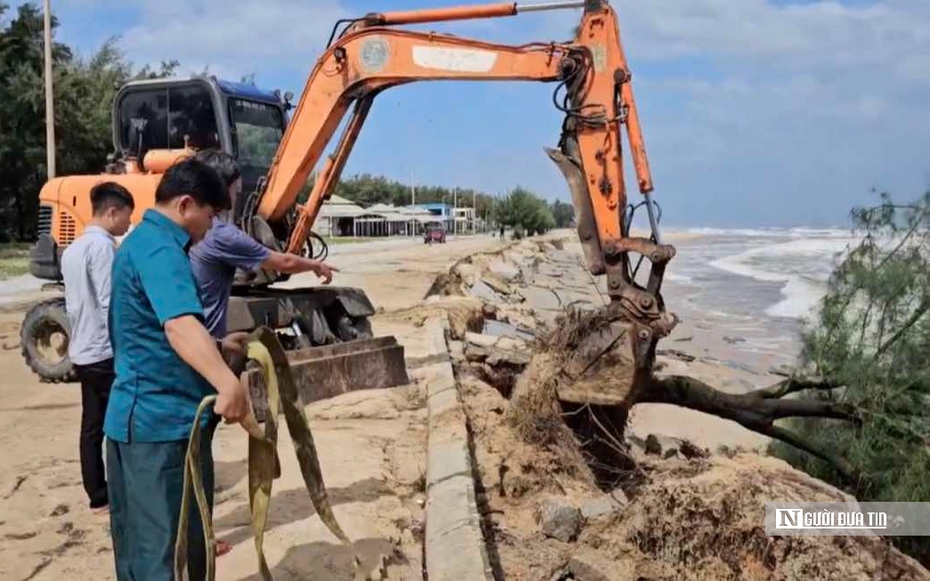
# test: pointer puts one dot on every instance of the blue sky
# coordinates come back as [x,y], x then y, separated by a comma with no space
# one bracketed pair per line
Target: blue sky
[755,112]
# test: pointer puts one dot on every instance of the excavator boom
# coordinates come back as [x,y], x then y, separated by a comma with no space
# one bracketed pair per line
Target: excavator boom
[372,56]
[372,60]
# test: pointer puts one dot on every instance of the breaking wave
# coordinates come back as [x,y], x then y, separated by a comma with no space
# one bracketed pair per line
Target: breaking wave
[803,266]
[772,232]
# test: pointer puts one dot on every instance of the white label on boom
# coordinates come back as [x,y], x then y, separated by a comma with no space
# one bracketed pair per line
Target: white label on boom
[460,60]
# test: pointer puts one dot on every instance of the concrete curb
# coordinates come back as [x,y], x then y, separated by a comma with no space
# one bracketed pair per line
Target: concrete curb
[455,548]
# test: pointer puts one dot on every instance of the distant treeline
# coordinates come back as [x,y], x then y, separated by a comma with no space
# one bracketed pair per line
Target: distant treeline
[519,209]
[84,91]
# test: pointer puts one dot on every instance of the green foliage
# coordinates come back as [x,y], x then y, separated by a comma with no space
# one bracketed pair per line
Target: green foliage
[84,91]
[525,212]
[872,337]
[563,213]
[14,260]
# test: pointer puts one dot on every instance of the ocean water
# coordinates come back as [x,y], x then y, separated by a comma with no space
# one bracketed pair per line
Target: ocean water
[761,286]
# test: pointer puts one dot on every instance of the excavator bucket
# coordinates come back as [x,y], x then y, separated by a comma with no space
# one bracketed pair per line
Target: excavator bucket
[607,356]
[331,370]
[327,335]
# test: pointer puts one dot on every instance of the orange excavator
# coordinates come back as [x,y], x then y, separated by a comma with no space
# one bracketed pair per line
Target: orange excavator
[157,122]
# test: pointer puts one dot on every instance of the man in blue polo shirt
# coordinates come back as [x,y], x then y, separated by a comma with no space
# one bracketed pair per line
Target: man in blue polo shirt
[166,363]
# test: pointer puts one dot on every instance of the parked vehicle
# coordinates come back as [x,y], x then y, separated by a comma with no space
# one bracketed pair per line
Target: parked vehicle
[434,232]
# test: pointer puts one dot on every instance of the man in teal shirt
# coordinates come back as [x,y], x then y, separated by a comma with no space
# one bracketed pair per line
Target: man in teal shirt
[166,363]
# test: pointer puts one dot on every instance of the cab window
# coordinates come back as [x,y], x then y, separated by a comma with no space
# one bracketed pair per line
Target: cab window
[190,115]
[143,116]
[165,116]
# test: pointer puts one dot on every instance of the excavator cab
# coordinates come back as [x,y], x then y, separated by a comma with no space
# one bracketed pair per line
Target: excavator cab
[202,113]
[164,115]
[154,122]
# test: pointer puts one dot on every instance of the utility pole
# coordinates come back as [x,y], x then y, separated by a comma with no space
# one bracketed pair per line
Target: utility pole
[474,212]
[49,95]
[413,189]
[455,212]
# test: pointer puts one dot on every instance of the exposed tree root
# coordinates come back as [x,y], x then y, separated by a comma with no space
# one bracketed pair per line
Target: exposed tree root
[756,410]
[599,430]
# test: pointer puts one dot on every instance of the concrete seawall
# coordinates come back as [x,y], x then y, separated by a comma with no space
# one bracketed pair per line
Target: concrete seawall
[455,548]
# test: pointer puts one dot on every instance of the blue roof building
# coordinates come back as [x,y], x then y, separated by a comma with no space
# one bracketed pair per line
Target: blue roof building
[437,209]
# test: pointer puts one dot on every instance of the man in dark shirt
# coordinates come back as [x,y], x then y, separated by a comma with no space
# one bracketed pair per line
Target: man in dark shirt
[226,248]
[166,362]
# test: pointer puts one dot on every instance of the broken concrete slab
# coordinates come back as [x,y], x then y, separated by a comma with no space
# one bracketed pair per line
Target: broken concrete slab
[511,344]
[548,269]
[505,270]
[497,350]
[522,317]
[482,291]
[540,298]
[502,329]
[480,340]
[498,286]
[559,520]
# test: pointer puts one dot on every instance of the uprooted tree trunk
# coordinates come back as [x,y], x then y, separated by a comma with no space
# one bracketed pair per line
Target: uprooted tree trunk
[536,397]
[757,410]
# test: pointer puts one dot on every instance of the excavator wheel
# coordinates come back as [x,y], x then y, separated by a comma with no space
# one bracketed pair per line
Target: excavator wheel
[44,338]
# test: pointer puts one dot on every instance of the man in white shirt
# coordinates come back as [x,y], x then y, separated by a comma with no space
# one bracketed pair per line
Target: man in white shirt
[86,265]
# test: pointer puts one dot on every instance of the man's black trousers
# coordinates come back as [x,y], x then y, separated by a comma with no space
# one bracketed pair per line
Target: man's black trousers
[96,380]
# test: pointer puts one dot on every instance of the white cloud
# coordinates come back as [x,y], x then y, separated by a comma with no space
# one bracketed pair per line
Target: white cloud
[783,102]
[794,35]
[233,37]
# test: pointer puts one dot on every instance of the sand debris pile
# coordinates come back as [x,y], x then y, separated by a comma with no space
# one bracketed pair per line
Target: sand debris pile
[540,277]
[704,519]
[547,516]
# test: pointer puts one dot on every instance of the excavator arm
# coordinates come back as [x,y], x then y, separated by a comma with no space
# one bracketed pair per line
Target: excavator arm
[594,92]
[354,70]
